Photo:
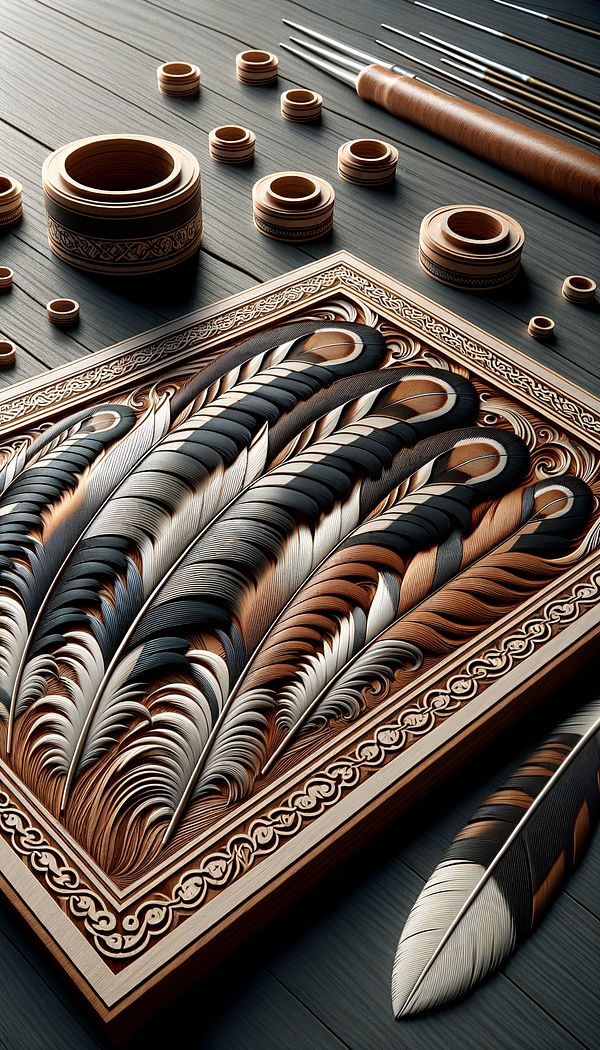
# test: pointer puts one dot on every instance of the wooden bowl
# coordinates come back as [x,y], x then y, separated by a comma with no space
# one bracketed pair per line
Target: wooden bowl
[123,204]
[293,206]
[470,247]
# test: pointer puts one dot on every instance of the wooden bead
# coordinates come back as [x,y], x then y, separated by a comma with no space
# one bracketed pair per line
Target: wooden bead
[8,353]
[63,311]
[579,289]
[123,204]
[231,144]
[6,278]
[470,247]
[178,79]
[367,162]
[301,105]
[540,327]
[256,67]
[11,202]
[293,206]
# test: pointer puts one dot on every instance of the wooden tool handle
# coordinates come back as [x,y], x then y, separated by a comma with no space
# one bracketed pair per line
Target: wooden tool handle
[556,165]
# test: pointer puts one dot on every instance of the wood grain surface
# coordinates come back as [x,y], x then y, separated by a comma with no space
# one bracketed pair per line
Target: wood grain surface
[319,979]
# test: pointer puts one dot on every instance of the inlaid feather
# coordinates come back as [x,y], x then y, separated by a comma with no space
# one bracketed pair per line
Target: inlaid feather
[358,591]
[480,594]
[159,509]
[225,591]
[502,871]
[43,510]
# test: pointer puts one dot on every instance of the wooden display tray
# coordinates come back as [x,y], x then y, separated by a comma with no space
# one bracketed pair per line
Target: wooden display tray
[129,947]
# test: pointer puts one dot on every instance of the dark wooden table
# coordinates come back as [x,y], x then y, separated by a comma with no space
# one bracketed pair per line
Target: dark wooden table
[319,980]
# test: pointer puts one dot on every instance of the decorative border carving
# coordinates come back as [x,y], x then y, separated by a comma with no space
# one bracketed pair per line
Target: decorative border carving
[342,275]
[94,250]
[125,936]
[121,935]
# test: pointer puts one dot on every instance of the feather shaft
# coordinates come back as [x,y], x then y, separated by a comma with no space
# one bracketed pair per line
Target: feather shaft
[471,915]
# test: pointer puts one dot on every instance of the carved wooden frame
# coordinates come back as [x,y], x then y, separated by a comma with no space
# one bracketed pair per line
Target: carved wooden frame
[129,949]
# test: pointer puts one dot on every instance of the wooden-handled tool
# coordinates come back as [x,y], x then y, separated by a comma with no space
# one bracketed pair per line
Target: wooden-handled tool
[558,166]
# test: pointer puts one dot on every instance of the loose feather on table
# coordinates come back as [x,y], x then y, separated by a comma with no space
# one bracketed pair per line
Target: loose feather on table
[502,871]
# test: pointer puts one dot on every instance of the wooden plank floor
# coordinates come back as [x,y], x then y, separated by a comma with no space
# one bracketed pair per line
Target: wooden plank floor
[319,979]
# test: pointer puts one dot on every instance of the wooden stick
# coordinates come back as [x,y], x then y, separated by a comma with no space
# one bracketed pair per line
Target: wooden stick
[551,18]
[509,103]
[516,74]
[558,55]
[497,78]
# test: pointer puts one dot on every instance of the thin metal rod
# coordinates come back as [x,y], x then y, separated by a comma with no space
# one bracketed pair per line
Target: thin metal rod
[340,60]
[558,55]
[327,53]
[551,18]
[499,80]
[345,49]
[545,85]
[327,67]
[518,107]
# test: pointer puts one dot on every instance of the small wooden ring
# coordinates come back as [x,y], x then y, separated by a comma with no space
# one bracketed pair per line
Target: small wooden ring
[6,278]
[578,289]
[475,230]
[63,311]
[295,191]
[8,353]
[300,104]
[367,162]
[540,327]
[178,78]
[231,144]
[256,67]
[11,201]
[293,206]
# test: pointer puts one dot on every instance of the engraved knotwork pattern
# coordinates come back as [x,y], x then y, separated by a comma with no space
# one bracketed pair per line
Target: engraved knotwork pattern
[94,249]
[66,391]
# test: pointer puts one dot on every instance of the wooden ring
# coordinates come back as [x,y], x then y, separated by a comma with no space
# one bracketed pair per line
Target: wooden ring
[293,190]
[231,144]
[178,79]
[540,327]
[8,353]
[6,278]
[300,104]
[63,311]
[367,162]
[256,67]
[470,247]
[293,206]
[11,201]
[123,204]
[579,289]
